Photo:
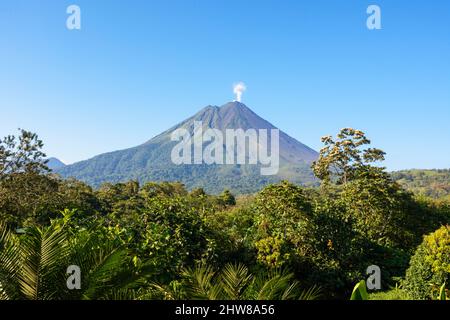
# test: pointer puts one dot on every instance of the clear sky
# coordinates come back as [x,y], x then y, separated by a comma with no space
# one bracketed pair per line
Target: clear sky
[311,67]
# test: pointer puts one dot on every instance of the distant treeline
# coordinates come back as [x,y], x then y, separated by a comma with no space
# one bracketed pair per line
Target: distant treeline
[430,183]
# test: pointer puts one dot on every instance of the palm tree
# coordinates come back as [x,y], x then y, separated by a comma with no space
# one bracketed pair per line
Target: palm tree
[233,282]
[33,265]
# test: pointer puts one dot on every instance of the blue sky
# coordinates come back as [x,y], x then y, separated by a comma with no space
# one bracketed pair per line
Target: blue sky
[311,67]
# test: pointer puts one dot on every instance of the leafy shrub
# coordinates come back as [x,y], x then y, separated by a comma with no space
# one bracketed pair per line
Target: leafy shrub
[438,244]
[430,265]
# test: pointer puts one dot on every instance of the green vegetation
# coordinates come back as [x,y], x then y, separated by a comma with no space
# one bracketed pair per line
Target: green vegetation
[162,241]
[233,282]
[396,293]
[430,265]
[360,291]
[33,266]
[430,183]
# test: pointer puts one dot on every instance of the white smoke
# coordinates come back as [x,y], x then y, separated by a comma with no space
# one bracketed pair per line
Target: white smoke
[238,90]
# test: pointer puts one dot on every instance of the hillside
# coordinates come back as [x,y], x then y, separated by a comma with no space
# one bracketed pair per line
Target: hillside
[432,183]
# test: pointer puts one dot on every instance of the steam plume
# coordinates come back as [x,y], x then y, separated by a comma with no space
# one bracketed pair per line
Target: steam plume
[238,89]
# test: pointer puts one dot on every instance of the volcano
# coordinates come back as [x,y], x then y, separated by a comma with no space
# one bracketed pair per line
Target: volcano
[151,161]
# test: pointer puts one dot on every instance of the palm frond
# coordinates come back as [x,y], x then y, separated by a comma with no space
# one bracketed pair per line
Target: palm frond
[43,252]
[172,291]
[200,283]
[234,279]
[101,271]
[275,286]
[312,293]
[291,292]
[9,263]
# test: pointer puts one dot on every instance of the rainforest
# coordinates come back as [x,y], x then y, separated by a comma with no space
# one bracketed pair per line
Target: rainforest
[160,240]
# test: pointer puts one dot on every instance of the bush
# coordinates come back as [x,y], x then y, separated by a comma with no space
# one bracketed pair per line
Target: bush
[438,244]
[430,265]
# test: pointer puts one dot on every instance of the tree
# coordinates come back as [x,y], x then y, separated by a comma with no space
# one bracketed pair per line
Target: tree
[342,158]
[282,227]
[77,195]
[116,196]
[29,198]
[22,154]
[228,198]
[168,189]
[380,209]
[25,189]
[282,207]
[173,234]
[198,193]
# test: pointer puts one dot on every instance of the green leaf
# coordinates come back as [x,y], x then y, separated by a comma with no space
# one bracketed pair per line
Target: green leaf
[360,292]
[442,294]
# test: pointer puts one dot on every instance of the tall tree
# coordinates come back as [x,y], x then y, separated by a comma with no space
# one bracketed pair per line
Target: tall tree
[25,187]
[342,158]
[22,154]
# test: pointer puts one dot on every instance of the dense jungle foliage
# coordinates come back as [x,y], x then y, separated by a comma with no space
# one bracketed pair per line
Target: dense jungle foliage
[162,241]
